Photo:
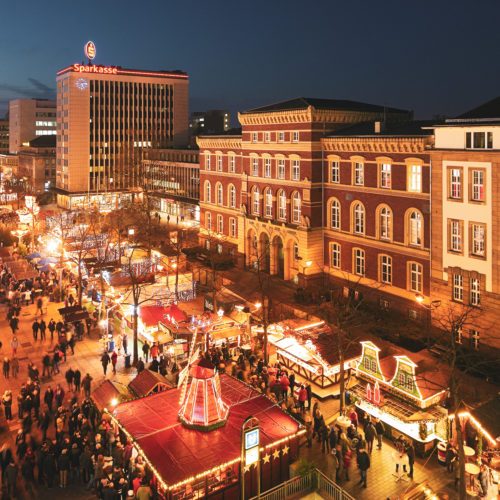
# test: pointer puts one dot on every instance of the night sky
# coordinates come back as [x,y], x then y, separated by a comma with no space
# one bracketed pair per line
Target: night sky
[435,57]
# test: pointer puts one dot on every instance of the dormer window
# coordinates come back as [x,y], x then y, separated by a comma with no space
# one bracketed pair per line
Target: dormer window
[479,140]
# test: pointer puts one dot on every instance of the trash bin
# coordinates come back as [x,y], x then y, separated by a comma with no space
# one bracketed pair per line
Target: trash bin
[111,345]
[128,364]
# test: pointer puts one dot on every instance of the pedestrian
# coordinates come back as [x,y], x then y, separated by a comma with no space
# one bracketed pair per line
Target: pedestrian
[87,383]
[145,351]
[450,457]
[285,385]
[11,479]
[63,466]
[302,398]
[43,328]
[309,396]
[140,366]
[380,429]
[46,365]
[105,359]
[59,395]
[14,344]
[6,367]
[14,365]
[39,306]
[71,343]
[410,451]
[69,375]
[347,463]
[125,343]
[27,471]
[52,328]
[48,397]
[325,442]
[56,358]
[370,433]
[353,416]
[35,327]
[114,360]
[332,437]
[77,380]
[363,465]
[14,324]
[7,404]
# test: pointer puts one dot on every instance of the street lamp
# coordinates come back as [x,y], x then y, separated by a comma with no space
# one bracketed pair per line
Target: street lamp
[434,304]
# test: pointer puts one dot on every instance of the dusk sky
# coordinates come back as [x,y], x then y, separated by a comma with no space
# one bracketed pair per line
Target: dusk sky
[435,57]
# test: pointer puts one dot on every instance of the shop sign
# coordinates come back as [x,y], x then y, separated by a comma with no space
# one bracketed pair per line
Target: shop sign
[95,68]
[90,50]
[252,442]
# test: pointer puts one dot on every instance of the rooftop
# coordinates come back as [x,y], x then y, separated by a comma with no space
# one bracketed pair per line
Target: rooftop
[43,141]
[330,104]
[387,129]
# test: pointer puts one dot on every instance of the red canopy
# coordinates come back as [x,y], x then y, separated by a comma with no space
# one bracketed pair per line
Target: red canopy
[176,313]
[152,315]
[179,453]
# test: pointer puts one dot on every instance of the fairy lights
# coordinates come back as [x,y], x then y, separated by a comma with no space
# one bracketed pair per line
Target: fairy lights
[476,424]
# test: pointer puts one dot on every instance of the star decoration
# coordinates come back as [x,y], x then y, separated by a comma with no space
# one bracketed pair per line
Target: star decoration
[247,468]
[285,449]
[266,458]
[276,454]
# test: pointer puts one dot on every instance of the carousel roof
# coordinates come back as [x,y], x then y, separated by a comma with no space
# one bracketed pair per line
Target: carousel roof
[179,453]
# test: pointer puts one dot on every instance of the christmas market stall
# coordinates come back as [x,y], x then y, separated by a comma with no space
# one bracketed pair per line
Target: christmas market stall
[191,437]
[110,393]
[404,390]
[310,350]
[148,382]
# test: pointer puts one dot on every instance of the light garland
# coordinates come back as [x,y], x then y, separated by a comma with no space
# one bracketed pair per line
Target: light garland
[477,425]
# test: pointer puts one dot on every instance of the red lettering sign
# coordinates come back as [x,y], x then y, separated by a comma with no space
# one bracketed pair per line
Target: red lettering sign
[93,68]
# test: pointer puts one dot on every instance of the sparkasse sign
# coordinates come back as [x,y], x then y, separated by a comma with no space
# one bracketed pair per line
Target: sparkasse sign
[90,50]
[95,68]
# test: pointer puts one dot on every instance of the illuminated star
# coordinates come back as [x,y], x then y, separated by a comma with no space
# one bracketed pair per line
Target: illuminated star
[266,458]
[276,454]
[247,468]
[285,449]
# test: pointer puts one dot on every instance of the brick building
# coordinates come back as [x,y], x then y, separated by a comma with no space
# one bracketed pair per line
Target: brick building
[37,164]
[465,223]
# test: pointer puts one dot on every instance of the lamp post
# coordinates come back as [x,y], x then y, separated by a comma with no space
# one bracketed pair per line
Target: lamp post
[434,304]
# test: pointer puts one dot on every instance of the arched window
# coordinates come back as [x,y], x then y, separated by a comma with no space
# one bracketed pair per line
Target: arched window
[335,214]
[385,223]
[282,205]
[296,207]
[358,213]
[220,195]
[268,202]
[231,196]
[256,201]
[415,228]
[208,192]
[208,221]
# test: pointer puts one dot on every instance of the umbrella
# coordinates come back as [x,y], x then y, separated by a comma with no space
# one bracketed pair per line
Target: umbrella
[34,255]
[47,260]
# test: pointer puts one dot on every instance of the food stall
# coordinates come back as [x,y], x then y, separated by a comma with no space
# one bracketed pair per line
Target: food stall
[148,382]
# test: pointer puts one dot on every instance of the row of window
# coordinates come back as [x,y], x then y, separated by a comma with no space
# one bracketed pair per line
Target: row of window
[414,221]
[279,136]
[385,267]
[219,224]
[477,237]
[281,200]
[479,140]
[477,179]
[414,175]
[474,289]
[231,162]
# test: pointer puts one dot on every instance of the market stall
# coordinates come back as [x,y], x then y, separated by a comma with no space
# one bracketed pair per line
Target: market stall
[110,393]
[148,382]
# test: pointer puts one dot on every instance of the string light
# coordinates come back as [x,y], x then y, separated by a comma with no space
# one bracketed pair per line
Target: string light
[477,425]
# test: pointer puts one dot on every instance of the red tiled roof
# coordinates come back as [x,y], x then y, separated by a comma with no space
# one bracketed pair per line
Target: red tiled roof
[104,393]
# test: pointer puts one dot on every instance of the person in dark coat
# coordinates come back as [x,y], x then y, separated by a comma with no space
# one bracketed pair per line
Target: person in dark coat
[410,451]
[105,359]
[69,375]
[52,328]
[27,471]
[380,428]
[49,468]
[43,328]
[59,395]
[11,479]
[363,465]
[370,433]
[87,384]
[140,365]
[77,380]
[309,396]
[48,398]
[35,327]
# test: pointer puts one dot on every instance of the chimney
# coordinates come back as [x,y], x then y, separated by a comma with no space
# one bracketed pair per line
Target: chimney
[378,127]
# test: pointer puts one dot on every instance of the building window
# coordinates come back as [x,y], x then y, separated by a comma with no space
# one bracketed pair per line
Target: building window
[255,137]
[296,207]
[415,178]
[219,163]
[282,205]
[479,140]
[415,271]
[220,224]
[208,220]
[295,251]
[232,227]
[385,175]
[335,215]
[296,170]
[359,173]
[474,339]
[477,185]
[281,168]
[478,244]
[359,262]
[457,334]
[267,136]
[232,196]
[335,171]
[386,269]
[455,235]
[207,161]
[295,137]
[256,201]
[455,183]
[415,228]
[220,196]
[359,218]
[385,223]
[268,201]
[267,167]
[458,287]
[384,304]
[475,292]
[208,192]
[281,136]
[335,256]
[232,164]
[255,167]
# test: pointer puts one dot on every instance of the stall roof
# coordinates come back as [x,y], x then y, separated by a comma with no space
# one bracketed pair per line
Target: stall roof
[108,390]
[488,416]
[179,453]
[152,315]
[146,382]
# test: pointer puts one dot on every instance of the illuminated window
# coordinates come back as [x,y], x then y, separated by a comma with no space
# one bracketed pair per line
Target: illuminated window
[335,214]
[335,256]
[232,163]
[385,175]
[359,262]
[232,227]
[256,201]
[296,208]
[475,292]
[455,183]
[255,137]
[385,223]
[359,218]
[220,224]
[281,136]
[296,170]
[282,205]
[386,269]
[267,136]
[478,244]
[208,221]
[415,178]
[335,171]
[267,167]
[477,184]
[359,173]
[458,287]
[232,196]
[220,195]
[295,137]
[281,168]
[415,271]
[455,237]
[268,202]
[415,228]
[208,192]
[219,163]
[255,167]
[474,339]
[457,334]
[207,161]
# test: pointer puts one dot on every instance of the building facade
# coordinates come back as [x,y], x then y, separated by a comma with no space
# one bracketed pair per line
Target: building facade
[4,136]
[37,164]
[213,121]
[107,117]
[261,193]
[172,177]
[28,119]
[465,274]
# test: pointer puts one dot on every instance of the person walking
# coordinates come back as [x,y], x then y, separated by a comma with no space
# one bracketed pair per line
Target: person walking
[380,429]
[347,459]
[52,328]
[77,379]
[56,358]
[86,384]
[363,465]
[7,404]
[410,451]
[302,398]
[14,324]
[11,479]
[6,367]
[125,343]
[14,344]
[370,433]
[105,359]
[46,365]
[48,397]
[63,463]
[35,327]
[450,457]
[43,328]
[39,306]
[114,360]
[69,375]
[59,395]
[14,365]
[145,351]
